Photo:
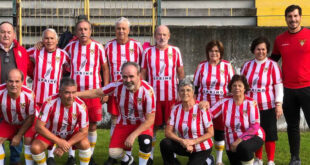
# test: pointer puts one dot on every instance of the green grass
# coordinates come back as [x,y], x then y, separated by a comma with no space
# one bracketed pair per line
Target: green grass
[282,156]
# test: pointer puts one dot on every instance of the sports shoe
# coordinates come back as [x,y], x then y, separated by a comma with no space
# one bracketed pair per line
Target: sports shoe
[295,161]
[219,163]
[149,162]
[50,161]
[92,161]
[258,161]
[210,160]
[110,161]
[129,162]
[71,161]
[271,163]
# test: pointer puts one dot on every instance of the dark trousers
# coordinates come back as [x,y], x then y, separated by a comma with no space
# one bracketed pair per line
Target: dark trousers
[168,147]
[245,150]
[293,100]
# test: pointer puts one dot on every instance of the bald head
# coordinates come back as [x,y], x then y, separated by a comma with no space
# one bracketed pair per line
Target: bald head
[162,36]
[15,82]
[7,34]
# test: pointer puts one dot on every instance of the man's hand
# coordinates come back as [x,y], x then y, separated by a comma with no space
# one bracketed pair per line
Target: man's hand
[58,152]
[130,140]
[16,140]
[190,142]
[204,105]
[104,99]
[190,149]
[235,144]
[39,45]
[64,145]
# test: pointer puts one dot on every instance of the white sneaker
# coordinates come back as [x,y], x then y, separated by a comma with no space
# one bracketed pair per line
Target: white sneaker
[258,162]
[271,163]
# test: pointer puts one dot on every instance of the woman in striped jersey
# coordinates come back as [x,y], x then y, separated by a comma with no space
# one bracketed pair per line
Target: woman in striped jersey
[265,80]
[189,129]
[211,81]
[243,134]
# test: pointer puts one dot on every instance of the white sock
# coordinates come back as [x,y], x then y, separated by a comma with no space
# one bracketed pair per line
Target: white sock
[72,152]
[112,129]
[128,152]
[153,146]
[219,147]
[2,155]
[92,137]
[250,162]
[143,157]
[28,155]
[40,159]
[84,156]
[50,153]
[125,158]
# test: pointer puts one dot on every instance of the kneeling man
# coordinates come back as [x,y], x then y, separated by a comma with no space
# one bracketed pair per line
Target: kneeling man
[63,121]
[136,104]
[17,111]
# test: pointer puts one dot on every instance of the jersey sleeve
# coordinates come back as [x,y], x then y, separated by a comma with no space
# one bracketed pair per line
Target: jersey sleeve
[45,112]
[231,71]
[144,59]
[206,118]
[216,109]
[150,101]
[31,52]
[32,105]
[179,58]
[253,112]
[102,56]
[110,88]
[83,118]
[140,52]
[276,74]
[197,75]
[173,115]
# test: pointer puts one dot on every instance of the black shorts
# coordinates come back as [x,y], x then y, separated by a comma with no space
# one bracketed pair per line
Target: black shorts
[219,135]
[268,122]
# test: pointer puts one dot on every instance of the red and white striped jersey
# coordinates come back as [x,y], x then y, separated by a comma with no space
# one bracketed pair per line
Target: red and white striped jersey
[133,107]
[86,62]
[191,124]
[15,111]
[237,118]
[118,54]
[48,71]
[62,121]
[213,80]
[161,66]
[262,77]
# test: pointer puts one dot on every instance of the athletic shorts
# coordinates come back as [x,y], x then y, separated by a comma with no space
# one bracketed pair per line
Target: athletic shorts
[94,109]
[268,121]
[121,132]
[163,110]
[8,130]
[51,144]
[112,107]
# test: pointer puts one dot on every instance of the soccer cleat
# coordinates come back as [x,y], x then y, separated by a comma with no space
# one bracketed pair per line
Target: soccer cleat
[258,162]
[150,161]
[210,160]
[110,161]
[50,161]
[271,163]
[295,161]
[129,162]
[71,161]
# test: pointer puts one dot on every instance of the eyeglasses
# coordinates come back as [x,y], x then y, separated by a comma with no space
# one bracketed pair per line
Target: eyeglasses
[7,58]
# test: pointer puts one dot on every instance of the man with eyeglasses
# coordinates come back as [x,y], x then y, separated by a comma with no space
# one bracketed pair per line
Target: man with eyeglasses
[12,56]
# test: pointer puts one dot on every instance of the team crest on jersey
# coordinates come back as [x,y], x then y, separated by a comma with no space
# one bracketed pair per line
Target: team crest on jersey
[194,116]
[57,58]
[131,51]
[222,71]
[265,69]
[170,56]
[23,105]
[74,116]
[84,106]
[92,51]
[254,103]
[19,54]
[151,92]
[302,42]
[139,100]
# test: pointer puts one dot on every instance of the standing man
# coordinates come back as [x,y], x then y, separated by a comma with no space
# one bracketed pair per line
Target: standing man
[12,56]
[118,52]
[294,48]
[17,110]
[49,62]
[136,103]
[87,58]
[163,66]
[63,120]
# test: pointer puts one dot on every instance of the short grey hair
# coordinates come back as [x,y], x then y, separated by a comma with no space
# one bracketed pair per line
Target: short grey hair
[137,66]
[66,81]
[122,19]
[51,30]
[186,82]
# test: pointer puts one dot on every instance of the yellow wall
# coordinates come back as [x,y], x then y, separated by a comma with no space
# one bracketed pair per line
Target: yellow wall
[271,12]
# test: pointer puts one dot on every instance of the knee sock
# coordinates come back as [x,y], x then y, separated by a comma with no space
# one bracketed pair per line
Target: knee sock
[259,153]
[219,147]
[84,156]
[2,155]
[72,152]
[40,158]
[128,152]
[92,137]
[270,150]
[250,162]
[125,158]
[50,153]
[153,146]
[143,157]
[28,155]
